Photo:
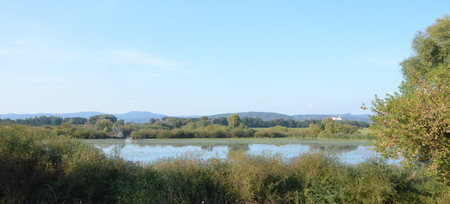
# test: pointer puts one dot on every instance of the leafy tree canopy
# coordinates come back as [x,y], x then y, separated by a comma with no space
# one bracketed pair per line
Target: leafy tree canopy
[233,120]
[415,123]
[95,118]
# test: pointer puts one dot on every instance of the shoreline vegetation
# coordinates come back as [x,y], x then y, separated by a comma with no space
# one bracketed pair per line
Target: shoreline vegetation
[107,126]
[40,166]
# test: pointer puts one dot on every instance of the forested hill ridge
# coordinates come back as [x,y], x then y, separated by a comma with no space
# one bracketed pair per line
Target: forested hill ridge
[272,116]
[143,116]
[346,116]
[263,115]
[133,116]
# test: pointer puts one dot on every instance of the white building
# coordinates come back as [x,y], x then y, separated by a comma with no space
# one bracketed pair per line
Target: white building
[336,118]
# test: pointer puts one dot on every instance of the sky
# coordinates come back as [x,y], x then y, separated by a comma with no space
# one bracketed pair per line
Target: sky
[205,57]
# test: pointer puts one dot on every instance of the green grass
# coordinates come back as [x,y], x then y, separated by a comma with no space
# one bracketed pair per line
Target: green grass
[305,133]
[260,129]
[365,131]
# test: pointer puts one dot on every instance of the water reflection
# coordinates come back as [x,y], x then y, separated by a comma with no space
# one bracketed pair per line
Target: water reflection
[333,149]
[238,147]
[153,150]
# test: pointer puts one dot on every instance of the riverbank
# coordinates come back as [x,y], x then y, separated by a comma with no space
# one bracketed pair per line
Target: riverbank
[40,166]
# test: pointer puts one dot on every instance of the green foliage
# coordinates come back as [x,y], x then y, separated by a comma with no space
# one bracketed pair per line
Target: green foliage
[81,132]
[30,161]
[39,121]
[336,129]
[150,133]
[93,119]
[234,120]
[104,125]
[107,126]
[210,131]
[415,123]
[75,120]
[88,176]
[215,131]
[273,132]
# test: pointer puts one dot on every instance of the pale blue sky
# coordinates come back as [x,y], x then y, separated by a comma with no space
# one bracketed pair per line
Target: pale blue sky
[205,57]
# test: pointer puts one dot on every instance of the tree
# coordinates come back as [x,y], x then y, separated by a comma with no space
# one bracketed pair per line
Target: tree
[234,120]
[75,120]
[220,121]
[104,125]
[415,123]
[204,120]
[95,118]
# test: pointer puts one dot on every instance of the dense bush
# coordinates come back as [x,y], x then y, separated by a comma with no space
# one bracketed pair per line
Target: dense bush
[210,131]
[149,133]
[37,165]
[81,132]
[277,131]
[214,131]
[336,130]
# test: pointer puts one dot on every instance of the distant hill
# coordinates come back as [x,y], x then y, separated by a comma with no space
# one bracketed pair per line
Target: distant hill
[347,116]
[271,116]
[14,116]
[133,116]
[262,115]
[143,116]
[138,116]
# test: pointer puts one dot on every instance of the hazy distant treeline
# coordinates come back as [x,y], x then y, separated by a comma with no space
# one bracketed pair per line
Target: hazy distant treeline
[171,122]
[108,126]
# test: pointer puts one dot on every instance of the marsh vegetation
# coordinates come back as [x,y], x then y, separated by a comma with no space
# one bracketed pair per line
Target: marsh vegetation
[38,165]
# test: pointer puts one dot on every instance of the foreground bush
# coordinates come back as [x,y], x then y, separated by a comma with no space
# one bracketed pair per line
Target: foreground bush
[37,166]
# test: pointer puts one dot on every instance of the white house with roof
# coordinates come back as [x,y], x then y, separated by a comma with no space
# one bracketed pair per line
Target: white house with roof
[336,118]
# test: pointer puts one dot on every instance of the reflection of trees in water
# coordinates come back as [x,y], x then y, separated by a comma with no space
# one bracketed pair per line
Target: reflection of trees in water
[139,143]
[238,147]
[207,147]
[109,145]
[111,148]
[332,148]
[231,147]
[118,148]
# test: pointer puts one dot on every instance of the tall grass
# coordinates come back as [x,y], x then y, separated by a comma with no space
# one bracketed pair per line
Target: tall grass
[210,131]
[37,166]
[306,133]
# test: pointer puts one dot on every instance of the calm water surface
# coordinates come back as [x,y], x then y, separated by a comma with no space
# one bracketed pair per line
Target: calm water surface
[151,150]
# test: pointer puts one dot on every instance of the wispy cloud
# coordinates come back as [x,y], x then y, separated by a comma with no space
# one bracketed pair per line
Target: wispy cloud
[378,61]
[21,42]
[139,58]
[36,79]
[143,59]
[111,2]
[45,53]
[311,105]
[26,53]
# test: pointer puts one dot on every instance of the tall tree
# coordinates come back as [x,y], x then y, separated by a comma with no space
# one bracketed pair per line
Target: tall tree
[415,123]
[234,120]
[95,118]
